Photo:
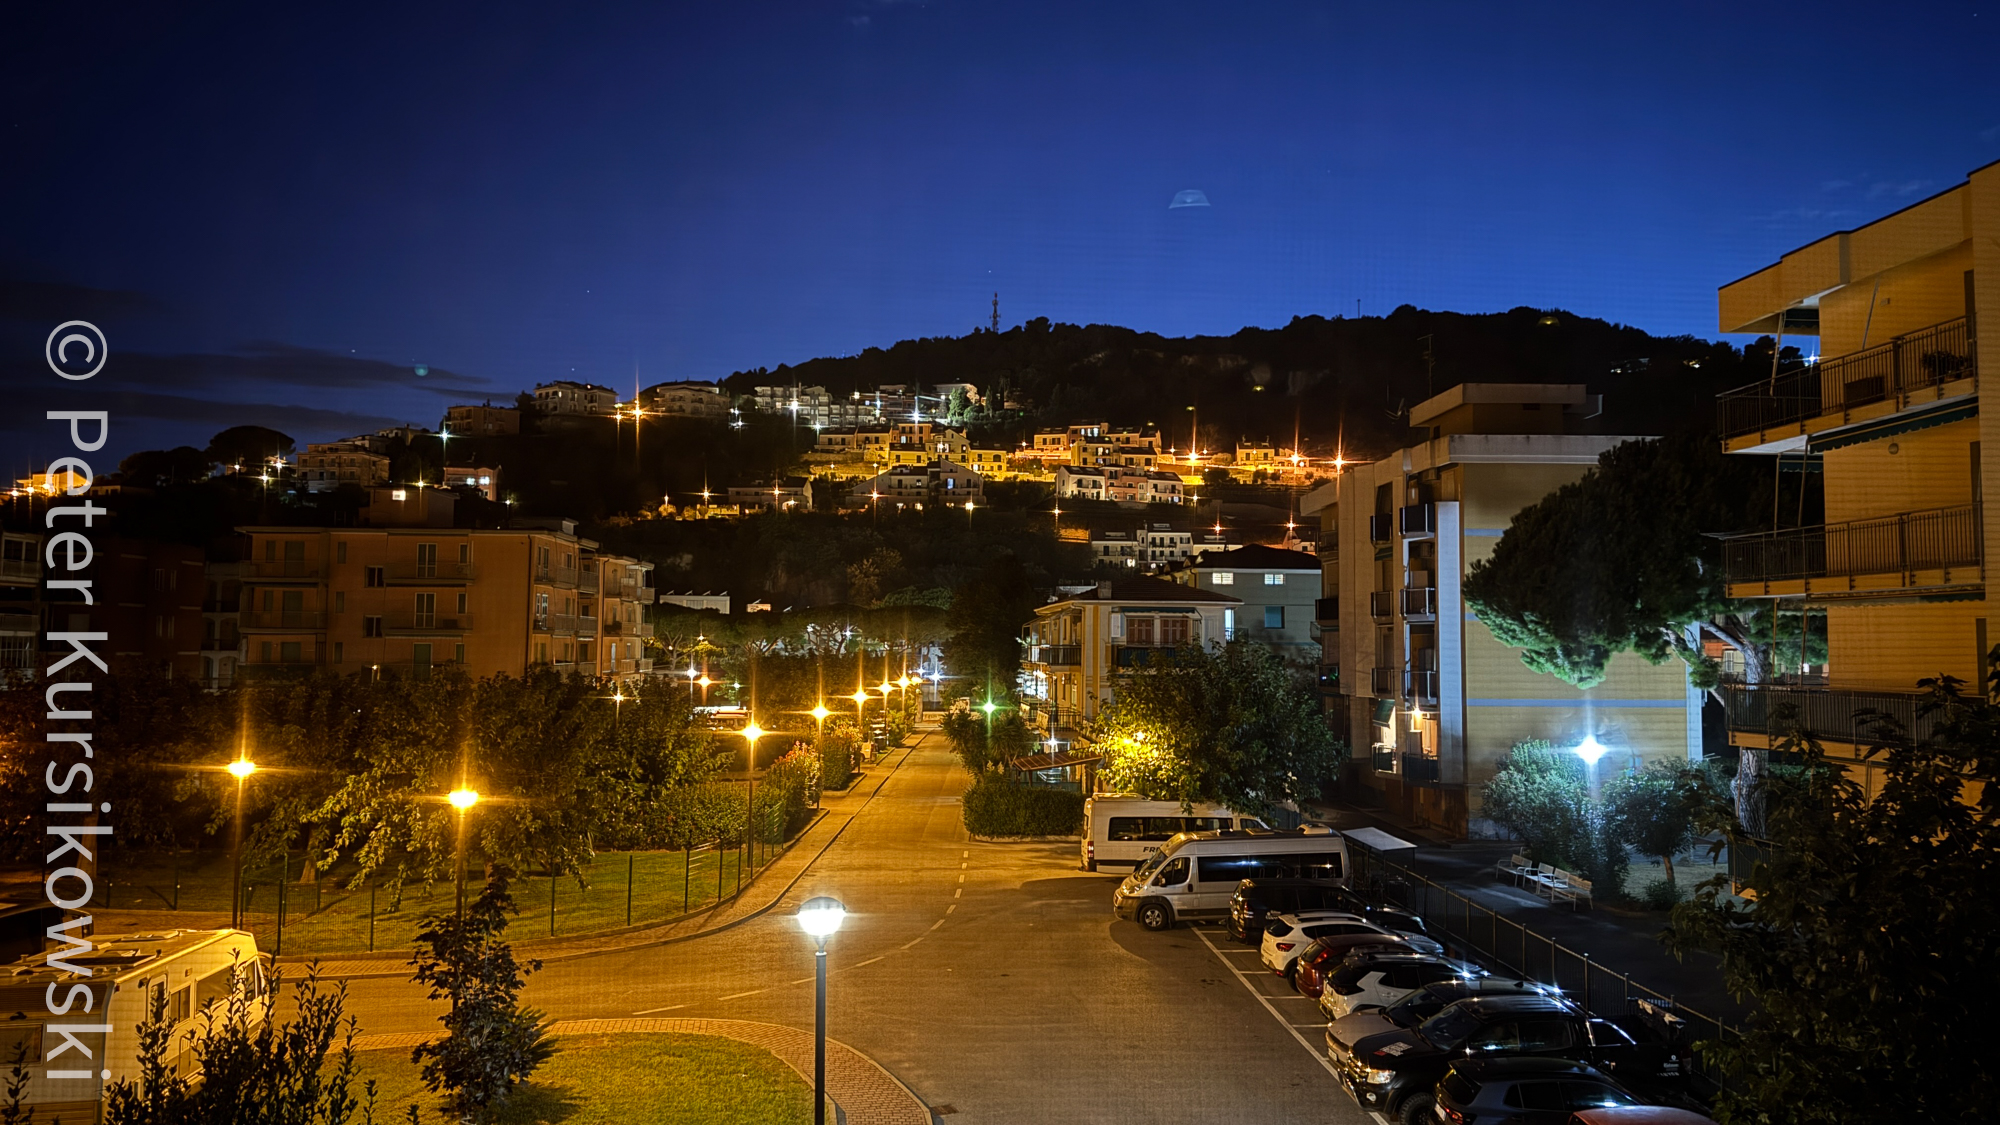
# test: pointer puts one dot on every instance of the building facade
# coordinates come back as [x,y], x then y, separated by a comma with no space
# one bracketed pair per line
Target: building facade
[325,466]
[686,400]
[20,600]
[1430,701]
[1889,415]
[1279,590]
[487,420]
[564,397]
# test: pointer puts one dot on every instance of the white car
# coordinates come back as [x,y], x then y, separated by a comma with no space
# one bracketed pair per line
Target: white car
[1379,979]
[1287,935]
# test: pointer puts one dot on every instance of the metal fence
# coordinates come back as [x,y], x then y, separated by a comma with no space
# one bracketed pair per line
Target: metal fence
[1938,354]
[1827,714]
[1504,945]
[1939,539]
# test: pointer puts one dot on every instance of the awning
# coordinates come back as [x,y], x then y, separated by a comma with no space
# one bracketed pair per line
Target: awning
[1892,426]
[1385,711]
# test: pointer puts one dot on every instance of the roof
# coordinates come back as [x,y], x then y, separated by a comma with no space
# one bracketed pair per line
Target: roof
[1145,588]
[116,955]
[1258,557]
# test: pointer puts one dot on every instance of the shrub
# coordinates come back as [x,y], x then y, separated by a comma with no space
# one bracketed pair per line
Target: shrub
[786,796]
[1661,894]
[995,806]
[1541,794]
[839,756]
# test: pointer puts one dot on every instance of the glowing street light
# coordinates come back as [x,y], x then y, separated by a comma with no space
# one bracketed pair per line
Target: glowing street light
[240,769]
[820,918]
[751,732]
[462,799]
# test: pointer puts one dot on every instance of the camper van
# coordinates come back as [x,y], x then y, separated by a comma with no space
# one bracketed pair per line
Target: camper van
[1193,874]
[1120,830]
[190,969]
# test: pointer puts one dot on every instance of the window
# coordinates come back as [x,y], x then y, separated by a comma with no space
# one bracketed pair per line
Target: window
[1139,630]
[1173,874]
[420,655]
[180,1005]
[1223,578]
[425,615]
[458,654]
[340,601]
[340,552]
[264,652]
[211,988]
[427,560]
[20,1040]
[465,549]
[461,603]
[339,651]
[1535,1095]
[371,626]
[1274,617]
[1173,631]
[290,652]
[376,577]
[1228,624]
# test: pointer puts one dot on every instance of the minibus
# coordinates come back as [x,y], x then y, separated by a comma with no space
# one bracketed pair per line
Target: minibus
[1194,874]
[1121,830]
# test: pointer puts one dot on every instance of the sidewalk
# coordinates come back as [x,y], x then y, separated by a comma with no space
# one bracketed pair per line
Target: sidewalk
[865,1092]
[1621,940]
[765,890]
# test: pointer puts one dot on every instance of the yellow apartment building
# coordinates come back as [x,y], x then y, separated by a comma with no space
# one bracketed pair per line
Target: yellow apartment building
[409,593]
[1429,701]
[1889,417]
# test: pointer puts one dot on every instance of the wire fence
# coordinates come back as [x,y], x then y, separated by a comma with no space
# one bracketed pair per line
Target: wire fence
[1479,932]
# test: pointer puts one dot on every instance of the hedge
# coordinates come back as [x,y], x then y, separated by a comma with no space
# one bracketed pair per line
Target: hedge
[995,806]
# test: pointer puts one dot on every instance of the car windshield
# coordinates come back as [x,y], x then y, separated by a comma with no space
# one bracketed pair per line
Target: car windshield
[1151,865]
[1448,1028]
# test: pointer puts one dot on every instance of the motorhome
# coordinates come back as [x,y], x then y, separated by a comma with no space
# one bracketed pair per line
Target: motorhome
[1121,830]
[1194,874]
[74,1056]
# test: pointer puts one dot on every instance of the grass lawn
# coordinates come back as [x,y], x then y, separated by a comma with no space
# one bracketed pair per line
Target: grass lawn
[652,1079]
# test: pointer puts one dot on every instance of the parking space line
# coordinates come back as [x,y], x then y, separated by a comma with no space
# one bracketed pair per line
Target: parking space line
[668,1008]
[1319,1056]
[870,961]
[736,995]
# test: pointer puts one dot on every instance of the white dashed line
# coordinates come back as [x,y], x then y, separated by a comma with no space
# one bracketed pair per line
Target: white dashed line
[947,910]
[668,1008]
[958,892]
[736,995]
[870,961]
[940,921]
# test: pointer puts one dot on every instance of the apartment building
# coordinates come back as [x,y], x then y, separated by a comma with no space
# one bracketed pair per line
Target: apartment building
[1079,646]
[325,466]
[686,400]
[1427,697]
[938,481]
[792,493]
[149,604]
[221,623]
[408,592]
[483,479]
[486,420]
[1279,589]
[1889,415]
[565,397]
[20,600]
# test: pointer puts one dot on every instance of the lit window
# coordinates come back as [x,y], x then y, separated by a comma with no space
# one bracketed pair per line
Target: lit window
[1274,580]
[1225,578]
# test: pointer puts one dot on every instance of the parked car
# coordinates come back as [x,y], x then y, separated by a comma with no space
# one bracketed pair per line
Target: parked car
[1325,955]
[1286,935]
[1421,1005]
[1524,1091]
[1195,874]
[1379,978]
[1396,1072]
[1256,900]
[1638,1115]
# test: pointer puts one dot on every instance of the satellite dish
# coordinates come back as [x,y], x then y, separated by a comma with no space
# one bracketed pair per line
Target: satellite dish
[1188,198]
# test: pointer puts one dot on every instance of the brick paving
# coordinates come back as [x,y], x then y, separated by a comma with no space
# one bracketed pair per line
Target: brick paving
[865,1092]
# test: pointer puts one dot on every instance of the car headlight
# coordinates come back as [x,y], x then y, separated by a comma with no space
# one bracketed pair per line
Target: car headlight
[1377,1077]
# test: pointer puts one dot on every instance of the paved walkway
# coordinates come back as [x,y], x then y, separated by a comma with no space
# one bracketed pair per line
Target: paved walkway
[865,1092]
[766,889]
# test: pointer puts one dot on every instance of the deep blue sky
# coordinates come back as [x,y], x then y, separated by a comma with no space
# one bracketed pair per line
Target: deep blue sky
[515,193]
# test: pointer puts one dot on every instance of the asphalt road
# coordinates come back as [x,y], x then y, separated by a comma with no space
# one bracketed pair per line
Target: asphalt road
[990,978]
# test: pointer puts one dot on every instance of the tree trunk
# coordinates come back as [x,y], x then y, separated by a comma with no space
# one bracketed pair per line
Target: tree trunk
[1747,788]
[1667,862]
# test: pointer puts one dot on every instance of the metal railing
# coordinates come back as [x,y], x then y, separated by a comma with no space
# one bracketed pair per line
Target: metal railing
[1382,682]
[410,621]
[1421,685]
[1419,601]
[1925,358]
[643,629]
[20,623]
[556,575]
[444,573]
[1379,527]
[1419,519]
[1506,946]
[1326,611]
[1382,758]
[1938,539]
[1064,656]
[1827,714]
[1419,770]
[1329,542]
[20,568]
[281,619]
[1382,604]
[285,568]
[586,581]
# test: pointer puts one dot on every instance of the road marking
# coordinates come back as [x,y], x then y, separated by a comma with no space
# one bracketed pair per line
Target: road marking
[870,961]
[1381,1120]
[936,924]
[735,995]
[947,910]
[961,876]
[1319,1056]
[958,892]
[801,980]
[668,1008]
[964,855]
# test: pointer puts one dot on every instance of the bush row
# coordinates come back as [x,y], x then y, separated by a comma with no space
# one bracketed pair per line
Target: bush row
[995,806]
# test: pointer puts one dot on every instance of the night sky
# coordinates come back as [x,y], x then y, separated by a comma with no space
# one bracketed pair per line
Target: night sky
[276,214]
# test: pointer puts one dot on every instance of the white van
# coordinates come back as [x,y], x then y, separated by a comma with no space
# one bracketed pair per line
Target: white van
[191,969]
[1195,874]
[1121,830]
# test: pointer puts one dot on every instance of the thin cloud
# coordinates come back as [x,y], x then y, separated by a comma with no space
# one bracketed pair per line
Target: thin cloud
[1899,189]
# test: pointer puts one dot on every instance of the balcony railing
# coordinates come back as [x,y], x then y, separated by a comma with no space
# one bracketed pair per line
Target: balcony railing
[558,623]
[431,574]
[1827,714]
[1383,758]
[1379,528]
[280,569]
[1907,544]
[20,568]
[556,575]
[1326,611]
[1419,602]
[586,581]
[1329,543]
[1382,682]
[1381,604]
[1422,686]
[1059,656]
[1931,357]
[17,623]
[1419,770]
[282,620]
[410,622]
[1419,519]
[643,629]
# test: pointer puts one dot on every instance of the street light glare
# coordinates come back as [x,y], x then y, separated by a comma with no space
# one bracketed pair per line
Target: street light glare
[242,768]
[819,712]
[820,917]
[463,799]
[989,707]
[1590,749]
[859,696]
[753,732]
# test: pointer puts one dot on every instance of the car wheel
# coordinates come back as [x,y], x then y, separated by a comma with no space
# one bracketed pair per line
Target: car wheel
[1155,916]
[1417,1110]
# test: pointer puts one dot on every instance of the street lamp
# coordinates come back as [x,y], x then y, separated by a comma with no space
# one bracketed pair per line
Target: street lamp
[751,732]
[462,799]
[819,918]
[240,769]
[1590,750]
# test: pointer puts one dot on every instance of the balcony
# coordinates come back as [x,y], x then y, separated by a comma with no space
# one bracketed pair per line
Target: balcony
[1383,758]
[1326,611]
[1419,603]
[1774,415]
[1329,543]
[556,623]
[586,581]
[1419,770]
[1912,552]
[586,626]
[1137,656]
[643,629]
[1421,687]
[431,574]
[282,621]
[1382,682]
[282,570]
[1056,656]
[1379,527]
[19,623]
[1419,520]
[409,623]
[20,570]
[1830,715]
[1382,604]
[562,576]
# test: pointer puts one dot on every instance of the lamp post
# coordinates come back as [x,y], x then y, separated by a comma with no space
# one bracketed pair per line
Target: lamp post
[462,799]
[751,732]
[819,918]
[240,769]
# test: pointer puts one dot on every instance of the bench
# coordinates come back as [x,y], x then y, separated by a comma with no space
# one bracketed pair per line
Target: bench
[1513,868]
[1542,880]
[1571,888]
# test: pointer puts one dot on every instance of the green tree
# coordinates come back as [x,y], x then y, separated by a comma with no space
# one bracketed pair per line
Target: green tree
[491,1042]
[984,623]
[1653,811]
[1542,795]
[1230,725]
[248,446]
[1624,560]
[1871,941]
